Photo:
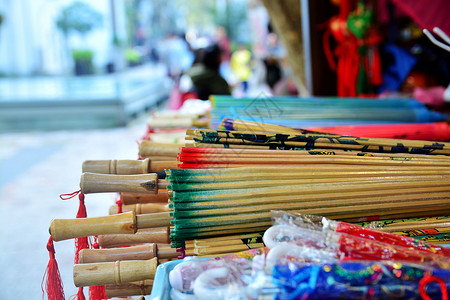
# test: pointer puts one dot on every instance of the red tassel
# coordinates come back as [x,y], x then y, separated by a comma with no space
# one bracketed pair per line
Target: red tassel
[119,206]
[52,277]
[96,292]
[81,243]
[80,294]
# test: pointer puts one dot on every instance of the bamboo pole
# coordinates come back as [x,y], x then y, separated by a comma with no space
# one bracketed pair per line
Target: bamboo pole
[136,252]
[118,272]
[135,288]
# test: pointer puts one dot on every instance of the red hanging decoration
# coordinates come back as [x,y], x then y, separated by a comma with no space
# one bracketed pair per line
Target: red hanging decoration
[82,242]
[119,205]
[52,277]
[96,292]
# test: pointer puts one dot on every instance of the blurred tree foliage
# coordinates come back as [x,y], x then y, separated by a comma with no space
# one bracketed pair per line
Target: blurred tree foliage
[163,17]
[78,17]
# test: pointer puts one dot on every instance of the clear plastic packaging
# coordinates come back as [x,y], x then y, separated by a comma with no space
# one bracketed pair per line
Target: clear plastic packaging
[311,257]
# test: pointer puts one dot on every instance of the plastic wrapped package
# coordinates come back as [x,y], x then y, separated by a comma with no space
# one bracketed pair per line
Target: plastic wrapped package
[360,280]
[310,257]
[322,224]
[237,276]
[246,279]
[325,245]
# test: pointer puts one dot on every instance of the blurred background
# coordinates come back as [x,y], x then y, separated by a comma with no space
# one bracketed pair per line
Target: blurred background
[78,79]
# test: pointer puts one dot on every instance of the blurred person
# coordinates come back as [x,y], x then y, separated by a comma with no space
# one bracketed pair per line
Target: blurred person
[204,77]
[176,54]
[224,43]
[272,61]
[240,65]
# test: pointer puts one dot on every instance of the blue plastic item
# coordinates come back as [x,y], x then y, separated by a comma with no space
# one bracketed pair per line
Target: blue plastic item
[161,286]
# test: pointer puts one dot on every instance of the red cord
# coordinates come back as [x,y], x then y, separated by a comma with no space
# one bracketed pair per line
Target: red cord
[428,279]
[69,196]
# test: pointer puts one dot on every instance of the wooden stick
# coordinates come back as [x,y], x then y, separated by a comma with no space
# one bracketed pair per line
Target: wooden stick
[63,229]
[151,149]
[105,183]
[125,223]
[136,288]
[137,252]
[134,198]
[114,272]
[158,235]
[127,167]
[140,208]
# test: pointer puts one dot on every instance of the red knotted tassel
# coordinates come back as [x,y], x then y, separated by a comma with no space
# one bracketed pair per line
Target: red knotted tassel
[52,277]
[82,242]
[96,292]
[119,206]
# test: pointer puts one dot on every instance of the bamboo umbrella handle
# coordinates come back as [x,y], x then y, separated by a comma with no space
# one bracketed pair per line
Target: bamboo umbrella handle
[149,149]
[105,183]
[158,235]
[133,198]
[128,167]
[140,208]
[63,229]
[119,167]
[143,287]
[138,252]
[114,272]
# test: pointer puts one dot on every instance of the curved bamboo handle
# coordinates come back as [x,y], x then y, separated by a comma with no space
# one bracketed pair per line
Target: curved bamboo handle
[114,272]
[142,236]
[138,252]
[105,183]
[134,198]
[63,229]
[139,209]
[118,167]
[143,287]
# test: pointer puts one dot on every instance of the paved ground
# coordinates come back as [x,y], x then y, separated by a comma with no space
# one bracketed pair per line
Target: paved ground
[34,169]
